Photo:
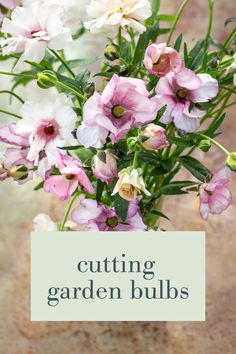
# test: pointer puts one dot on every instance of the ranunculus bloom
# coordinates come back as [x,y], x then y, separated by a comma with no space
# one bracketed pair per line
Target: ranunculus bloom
[154,137]
[215,197]
[99,218]
[9,135]
[105,166]
[130,183]
[13,160]
[72,176]
[33,29]
[114,13]
[178,91]
[49,126]
[159,60]
[43,223]
[123,105]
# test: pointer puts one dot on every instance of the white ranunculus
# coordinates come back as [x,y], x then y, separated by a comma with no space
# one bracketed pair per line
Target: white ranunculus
[49,126]
[33,29]
[106,14]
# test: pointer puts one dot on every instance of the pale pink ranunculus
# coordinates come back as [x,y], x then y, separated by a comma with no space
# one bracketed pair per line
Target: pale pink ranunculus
[33,29]
[154,137]
[178,91]
[123,105]
[49,126]
[9,135]
[108,14]
[72,176]
[159,60]
[215,197]
[99,218]
[105,166]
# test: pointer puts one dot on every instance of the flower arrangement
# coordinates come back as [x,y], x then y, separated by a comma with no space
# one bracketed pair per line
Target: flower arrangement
[116,150]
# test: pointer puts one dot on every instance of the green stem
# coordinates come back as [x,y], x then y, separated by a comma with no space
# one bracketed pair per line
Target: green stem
[135,162]
[216,143]
[227,43]
[210,22]
[13,94]
[58,83]
[63,62]
[71,202]
[177,17]
[10,114]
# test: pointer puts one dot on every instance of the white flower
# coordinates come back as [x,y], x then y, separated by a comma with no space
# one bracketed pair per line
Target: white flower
[130,183]
[44,223]
[108,13]
[49,125]
[33,29]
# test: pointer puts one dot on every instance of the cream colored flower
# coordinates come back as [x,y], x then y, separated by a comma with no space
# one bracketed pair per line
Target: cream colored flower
[130,183]
[109,13]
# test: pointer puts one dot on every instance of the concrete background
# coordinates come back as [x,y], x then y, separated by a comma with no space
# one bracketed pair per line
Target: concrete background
[19,205]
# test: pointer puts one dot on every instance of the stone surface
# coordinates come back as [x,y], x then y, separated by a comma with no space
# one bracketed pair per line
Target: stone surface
[20,204]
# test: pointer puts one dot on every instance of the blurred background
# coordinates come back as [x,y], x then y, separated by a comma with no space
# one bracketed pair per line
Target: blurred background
[19,205]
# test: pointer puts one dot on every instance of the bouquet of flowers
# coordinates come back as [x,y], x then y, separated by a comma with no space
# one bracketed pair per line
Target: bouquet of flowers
[116,149]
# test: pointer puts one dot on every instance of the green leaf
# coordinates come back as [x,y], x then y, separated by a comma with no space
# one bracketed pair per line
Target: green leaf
[186,55]
[181,142]
[121,207]
[100,189]
[215,125]
[155,9]
[229,20]
[85,154]
[178,42]
[150,35]
[166,18]
[39,186]
[175,188]
[126,51]
[158,213]
[160,113]
[196,168]
[79,33]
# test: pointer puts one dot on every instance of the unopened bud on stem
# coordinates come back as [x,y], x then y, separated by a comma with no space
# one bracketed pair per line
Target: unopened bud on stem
[19,172]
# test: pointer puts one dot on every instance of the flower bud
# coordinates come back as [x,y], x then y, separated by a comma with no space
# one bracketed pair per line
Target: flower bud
[111,52]
[46,79]
[19,172]
[153,137]
[133,144]
[214,63]
[3,173]
[89,89]
[231,161]
[205,145]
[130,183]
[105,166]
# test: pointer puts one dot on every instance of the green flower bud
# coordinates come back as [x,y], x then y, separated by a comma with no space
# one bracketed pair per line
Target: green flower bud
[205,145]
[111,52]
[133,144]
[214,63]
[46,79]
[231,161]
[19,172]
[89,89]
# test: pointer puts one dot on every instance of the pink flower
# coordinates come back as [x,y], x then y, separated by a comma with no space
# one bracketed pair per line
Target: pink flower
[159,60]
[154,137]
[99,218]
[33,29]
[9,135]
[178,91]
[215,197]
[72,176]
[105,166]
[16,165]
[123,105]
[49,126]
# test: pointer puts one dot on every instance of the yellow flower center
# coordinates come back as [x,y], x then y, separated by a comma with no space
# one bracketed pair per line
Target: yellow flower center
[181,94]
[118,111]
